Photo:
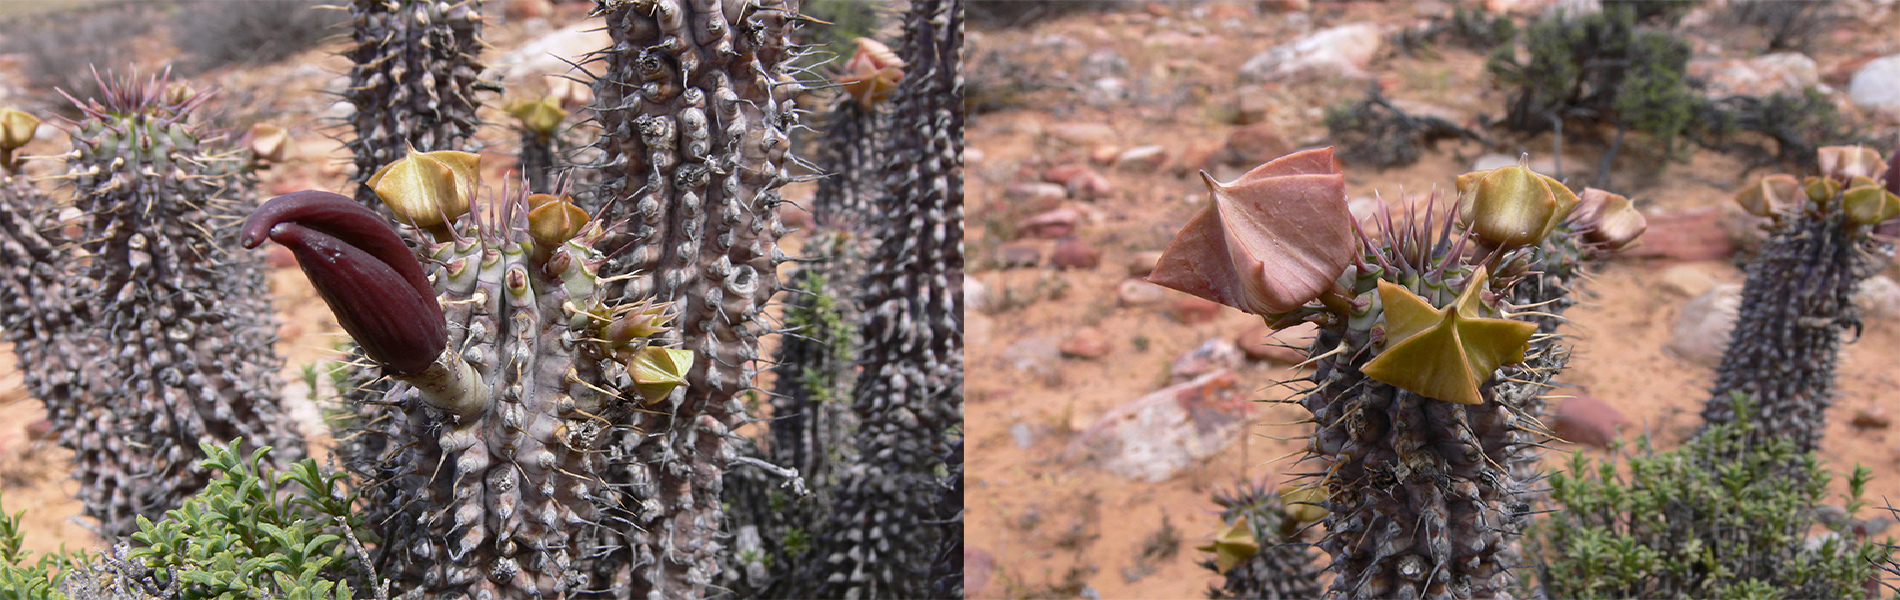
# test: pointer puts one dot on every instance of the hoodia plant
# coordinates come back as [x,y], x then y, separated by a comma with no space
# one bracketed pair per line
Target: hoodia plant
[1422,365]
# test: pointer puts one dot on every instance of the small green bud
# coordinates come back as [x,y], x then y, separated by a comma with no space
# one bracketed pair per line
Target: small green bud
[1821,189]
[1867,203]
[657,371]
[1512,206]
[1232,546]
[1301,502]
[540,116]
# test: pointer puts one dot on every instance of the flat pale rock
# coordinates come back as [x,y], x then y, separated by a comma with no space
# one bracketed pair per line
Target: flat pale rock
[1051,224]
[1138,292]
[1702,329]
[1689,280]
[1339,51]
[1693,234]
[1154,437]
[1020,253]
[1877,83]
[1143,263]
[1081,134]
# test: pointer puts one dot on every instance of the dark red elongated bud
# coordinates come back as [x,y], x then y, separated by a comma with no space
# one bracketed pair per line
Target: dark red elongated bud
[344,219]
[374,286]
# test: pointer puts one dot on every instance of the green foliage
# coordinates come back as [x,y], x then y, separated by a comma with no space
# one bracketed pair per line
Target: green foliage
[1598,69]
[1373,132]
[1711,519]
[22,581]
[251,533]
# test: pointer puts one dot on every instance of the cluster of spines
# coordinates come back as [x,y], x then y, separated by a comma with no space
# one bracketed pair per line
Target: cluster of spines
[413,80]
[886,528]
[178,330]
[695,110]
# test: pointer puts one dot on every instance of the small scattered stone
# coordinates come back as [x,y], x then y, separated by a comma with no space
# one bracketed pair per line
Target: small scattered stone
[1035,192]
[1036,355]
[1872,416]
[1081,134]
[1190,310]
[1086,343]
[1024,435]
[1104,155]
[1090,186]
[1688,279]
[1693,234]
[1019,253]
[978,566]
[1285,346]
[1142,159]
[1138,292]
[1154,437]
[1878,299]
[1702,330]
[1252,104]
[1212,355]
[1065,173]
[1768,74]
[1586,420]
[1075,253]
[1143,263]
[1254,145]
[1050,225]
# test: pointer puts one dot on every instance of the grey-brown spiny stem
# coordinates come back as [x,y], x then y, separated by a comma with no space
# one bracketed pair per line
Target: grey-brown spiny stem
[414,81]
[887,528]
[178,330]
[695,108]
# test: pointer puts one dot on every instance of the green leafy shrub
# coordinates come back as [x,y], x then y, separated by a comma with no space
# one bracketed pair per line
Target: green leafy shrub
[1597,70]
[1375,133]
[18,579]
[254,532]
[1715,518]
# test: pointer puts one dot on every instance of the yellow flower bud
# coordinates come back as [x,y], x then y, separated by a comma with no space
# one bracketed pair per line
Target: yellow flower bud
[16,128]
[1821,189]
[428,189]
[554,220]
[1778,193]
[270,143]
[1512,206]
[540,116]
[1843,163]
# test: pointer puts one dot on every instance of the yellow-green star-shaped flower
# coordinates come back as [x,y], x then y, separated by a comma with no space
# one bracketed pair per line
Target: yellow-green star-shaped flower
[1233,546]
[1444,353]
